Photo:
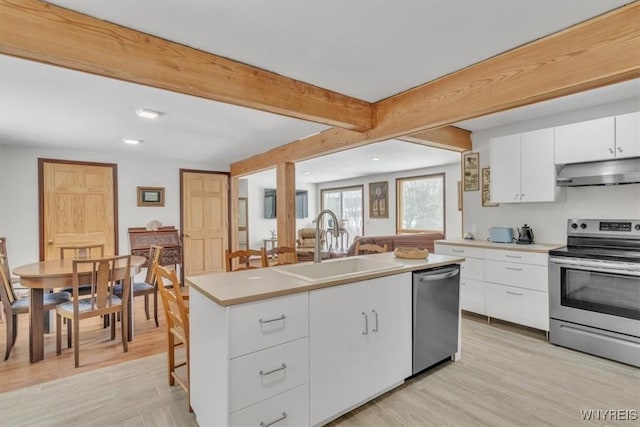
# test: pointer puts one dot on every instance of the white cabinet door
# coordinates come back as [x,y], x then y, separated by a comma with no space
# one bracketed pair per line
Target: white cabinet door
[585,141]
[338,349]
[505,169]
[472,295]
[628,135]
[389,331]
[537,169]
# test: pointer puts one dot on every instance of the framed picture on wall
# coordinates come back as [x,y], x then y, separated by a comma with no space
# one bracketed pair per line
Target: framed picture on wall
[378,196]
[471,172]
[151,196]
[486,189]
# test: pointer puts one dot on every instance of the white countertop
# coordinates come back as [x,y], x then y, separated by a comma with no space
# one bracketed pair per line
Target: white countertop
[535,247]
[239,287]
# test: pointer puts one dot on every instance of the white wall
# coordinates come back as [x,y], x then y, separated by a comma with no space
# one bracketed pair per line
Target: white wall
[549,220]
[260,227]
[387,226]
[19,194]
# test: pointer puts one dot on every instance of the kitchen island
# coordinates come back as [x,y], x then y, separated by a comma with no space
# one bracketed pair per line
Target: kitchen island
[268,346]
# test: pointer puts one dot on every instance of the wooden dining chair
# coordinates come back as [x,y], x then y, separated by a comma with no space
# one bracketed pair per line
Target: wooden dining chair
[104,274]
[177,315]
[243,258]
[370,248]
[13,306]
[81,252]
[147,287]
[282,255]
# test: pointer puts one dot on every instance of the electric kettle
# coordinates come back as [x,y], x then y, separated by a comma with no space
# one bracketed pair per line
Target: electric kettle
[525,235]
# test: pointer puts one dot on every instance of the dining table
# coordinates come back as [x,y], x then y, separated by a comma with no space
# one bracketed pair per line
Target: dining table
[57,273]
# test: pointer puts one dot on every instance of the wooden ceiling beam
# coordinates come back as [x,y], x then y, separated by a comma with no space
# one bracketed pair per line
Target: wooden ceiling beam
[595,53]
[43,32]
[447,137]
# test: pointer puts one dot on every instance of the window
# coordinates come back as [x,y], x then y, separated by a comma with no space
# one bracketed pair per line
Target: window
[347,204]
[420,204]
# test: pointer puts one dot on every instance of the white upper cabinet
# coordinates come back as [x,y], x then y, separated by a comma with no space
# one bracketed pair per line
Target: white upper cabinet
[522,168]
[601,139]
[628,135]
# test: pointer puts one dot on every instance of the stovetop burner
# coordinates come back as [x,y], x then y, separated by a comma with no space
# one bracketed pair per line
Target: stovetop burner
[611,240]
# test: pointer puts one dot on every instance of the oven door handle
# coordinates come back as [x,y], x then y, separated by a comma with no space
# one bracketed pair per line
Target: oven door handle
[603,267]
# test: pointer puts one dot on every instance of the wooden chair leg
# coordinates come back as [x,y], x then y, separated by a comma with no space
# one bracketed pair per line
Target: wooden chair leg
[146,306]
[69,333]
[15,329]
[171,357]
[113,325]
[124,323]
[76,341]
[155,307]
[59,334]
[10,340]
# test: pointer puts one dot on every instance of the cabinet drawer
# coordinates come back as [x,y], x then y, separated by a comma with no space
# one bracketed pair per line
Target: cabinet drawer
[260,375]
[517,305]
[521,275]
[472,295]
[524,257]
[472,268]
[257,325]
[294,403]
[465,251]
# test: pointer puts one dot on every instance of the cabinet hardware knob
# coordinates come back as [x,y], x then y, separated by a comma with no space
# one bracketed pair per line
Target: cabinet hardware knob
[513,256]
[50,242]
[619,149]
[366,324]
[187,235]
[283,417]
[610,150]
[275,319]
[515,293]
[280,368]
[375,329]
[513,269]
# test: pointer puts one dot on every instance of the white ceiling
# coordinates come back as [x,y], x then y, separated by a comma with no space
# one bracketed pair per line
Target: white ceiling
[366,49]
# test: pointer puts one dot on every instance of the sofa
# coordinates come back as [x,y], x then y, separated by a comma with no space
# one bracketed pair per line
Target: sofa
[306,241]
[414,240]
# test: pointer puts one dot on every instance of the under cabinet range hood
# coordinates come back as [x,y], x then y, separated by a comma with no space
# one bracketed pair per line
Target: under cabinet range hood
[608,172]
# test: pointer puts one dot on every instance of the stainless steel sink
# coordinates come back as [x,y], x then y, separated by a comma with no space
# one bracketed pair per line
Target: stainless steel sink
[336,269]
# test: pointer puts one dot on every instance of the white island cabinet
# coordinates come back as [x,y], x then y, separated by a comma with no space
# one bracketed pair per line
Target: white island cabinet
[360,338]
[273,349]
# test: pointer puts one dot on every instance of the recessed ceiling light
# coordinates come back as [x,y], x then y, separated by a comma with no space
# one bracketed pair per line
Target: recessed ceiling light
[375,158]
[306,173]
[148,114]
[132,141]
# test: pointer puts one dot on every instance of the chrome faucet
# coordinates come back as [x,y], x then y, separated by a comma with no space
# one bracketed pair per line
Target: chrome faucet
[336,233]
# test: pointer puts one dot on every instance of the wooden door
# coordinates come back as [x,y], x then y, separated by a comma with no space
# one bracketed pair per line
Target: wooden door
[77,206]
[205,224]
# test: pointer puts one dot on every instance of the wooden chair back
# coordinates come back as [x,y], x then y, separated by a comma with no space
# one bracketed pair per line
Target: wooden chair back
[283,255]
[370,248]
[155,253]
[82,252]
[243,257]
[7,294]
[177,316]
[104,274]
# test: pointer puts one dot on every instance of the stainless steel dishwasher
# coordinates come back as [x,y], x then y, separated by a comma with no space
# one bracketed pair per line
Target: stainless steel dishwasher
[436,296]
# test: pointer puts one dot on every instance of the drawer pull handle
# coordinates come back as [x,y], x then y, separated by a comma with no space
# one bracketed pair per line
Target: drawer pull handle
[263,424]
[513,256]
[375,329]
[366,324]
[275,319]
[457,250]
[515,293]
[513,269]
[282,367]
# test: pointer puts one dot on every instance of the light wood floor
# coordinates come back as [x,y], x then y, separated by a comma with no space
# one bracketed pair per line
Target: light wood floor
[508,376]
[96,349]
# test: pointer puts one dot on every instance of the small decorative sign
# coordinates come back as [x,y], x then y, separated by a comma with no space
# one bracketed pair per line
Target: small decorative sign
[378,195]
[486,189]
[471,172]
[151,196]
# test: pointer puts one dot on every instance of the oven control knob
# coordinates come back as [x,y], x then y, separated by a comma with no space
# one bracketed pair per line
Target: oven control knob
[637,227]
[583,225]
[574,225]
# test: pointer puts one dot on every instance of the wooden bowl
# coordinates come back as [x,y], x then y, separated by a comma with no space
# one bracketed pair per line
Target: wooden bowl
[411,253]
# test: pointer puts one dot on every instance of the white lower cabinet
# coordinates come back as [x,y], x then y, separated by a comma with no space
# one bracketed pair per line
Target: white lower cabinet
[510,285]
[360,343]
[287,409]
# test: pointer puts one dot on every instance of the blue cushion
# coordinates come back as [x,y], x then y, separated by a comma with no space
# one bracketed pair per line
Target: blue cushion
[137,287]
[85,305]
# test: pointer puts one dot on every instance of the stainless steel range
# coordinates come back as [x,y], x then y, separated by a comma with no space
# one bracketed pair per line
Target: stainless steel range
[594,289]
